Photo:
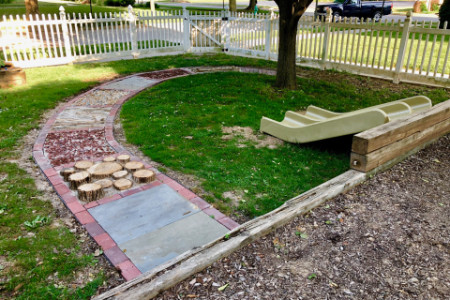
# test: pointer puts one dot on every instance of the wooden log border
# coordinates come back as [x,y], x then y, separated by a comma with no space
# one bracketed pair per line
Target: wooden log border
[380,145]
[189,263]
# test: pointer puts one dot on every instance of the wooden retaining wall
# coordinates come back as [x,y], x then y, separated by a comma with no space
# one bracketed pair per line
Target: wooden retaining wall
[395,140]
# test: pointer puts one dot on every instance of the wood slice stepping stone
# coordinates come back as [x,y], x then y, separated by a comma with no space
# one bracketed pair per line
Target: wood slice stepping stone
[133,166]
[90,192]
[65,173]
[83,165]
[79,178]
[105,183]
[109,159]
[143,176]
[123,184]
[123,159]
[104,169]
[120,174]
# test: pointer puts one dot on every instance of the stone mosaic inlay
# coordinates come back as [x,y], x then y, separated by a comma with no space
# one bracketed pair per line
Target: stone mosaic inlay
[67,147]
[164,74]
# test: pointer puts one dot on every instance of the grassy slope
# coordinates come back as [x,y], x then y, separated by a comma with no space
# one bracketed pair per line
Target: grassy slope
[29,257]
[264,178]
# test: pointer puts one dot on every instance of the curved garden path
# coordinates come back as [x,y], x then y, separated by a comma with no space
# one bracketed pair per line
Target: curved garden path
[148,224]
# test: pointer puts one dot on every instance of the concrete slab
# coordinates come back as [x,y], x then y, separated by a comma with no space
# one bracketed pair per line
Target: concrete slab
[76,117]
[132,84]
[157,247]
[141,213]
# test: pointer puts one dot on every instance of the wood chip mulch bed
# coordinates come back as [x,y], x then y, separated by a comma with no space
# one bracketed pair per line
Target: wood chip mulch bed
[385,239]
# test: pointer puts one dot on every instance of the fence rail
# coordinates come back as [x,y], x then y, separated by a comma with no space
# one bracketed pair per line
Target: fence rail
[400,51]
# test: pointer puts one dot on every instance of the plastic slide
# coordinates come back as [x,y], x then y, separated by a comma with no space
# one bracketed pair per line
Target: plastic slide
[317,124]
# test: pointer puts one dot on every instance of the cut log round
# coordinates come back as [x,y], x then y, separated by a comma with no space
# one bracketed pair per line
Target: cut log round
[105,183]
[123,184]
[104,169]
[65,173]
[79,178]
[120,174]
[133,166]
[143,176]
[83,164]
[90,192]
[123,159]
[109,159]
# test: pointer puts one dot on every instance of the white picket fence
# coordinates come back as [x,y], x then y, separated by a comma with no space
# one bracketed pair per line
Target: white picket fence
[400,51]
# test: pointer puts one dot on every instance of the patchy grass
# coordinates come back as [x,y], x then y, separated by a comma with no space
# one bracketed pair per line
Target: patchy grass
[180,124]
[39,256]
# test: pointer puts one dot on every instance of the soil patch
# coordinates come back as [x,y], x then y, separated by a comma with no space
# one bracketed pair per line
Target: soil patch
[246,134]
[385,239]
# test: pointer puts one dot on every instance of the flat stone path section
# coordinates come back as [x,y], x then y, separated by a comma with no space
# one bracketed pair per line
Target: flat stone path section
[148,224]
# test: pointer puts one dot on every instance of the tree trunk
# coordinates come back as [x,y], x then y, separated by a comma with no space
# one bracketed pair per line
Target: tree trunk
[32,7]
[251,5]
[286,50]
[232,4]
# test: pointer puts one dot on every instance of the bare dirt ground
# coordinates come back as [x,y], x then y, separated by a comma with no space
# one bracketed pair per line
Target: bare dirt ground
[385,239]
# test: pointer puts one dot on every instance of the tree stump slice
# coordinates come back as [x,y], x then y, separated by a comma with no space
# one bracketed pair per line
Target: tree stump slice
[133,166]
[123,184]
[109,159]
[79,178]
[120,174]
[105,183]
[65,173]
[90,192]
[123,159]
[143,176]
[83,165]
[104,169]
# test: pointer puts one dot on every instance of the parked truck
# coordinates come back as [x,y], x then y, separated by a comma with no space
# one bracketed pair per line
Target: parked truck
[356,8]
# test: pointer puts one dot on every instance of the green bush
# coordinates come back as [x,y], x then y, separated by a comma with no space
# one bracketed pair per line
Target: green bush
[6,1]
[423,7]
[119,2]
[444,14]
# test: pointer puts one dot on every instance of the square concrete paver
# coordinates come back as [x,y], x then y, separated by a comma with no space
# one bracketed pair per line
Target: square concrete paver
[157,247]
[131,84]
[130,217]
[80,117]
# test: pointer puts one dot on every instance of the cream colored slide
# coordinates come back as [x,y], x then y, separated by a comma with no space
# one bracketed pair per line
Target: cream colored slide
[317,124]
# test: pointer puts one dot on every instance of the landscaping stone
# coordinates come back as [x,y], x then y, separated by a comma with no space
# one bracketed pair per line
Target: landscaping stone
[141,213]
[130,84]
[159,246]
[100,98]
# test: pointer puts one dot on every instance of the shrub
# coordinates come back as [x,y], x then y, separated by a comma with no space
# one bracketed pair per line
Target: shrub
[435,5]
[119,2]
[6,1]
[423,7]
[444,14]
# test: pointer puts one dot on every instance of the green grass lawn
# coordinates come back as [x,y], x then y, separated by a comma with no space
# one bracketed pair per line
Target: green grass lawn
[179,124]
[41,261]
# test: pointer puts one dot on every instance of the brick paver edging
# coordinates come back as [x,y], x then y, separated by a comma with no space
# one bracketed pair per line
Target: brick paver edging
[111,250]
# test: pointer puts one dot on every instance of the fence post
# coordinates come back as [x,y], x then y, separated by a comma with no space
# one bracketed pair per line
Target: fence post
[186,30]
[269,33]
[65,32]
[133,32]
[326,36]
[402,47]
[226,34]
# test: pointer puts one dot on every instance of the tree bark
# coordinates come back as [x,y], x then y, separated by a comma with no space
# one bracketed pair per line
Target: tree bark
[251,5]
[232,4]
[32,7]
[290,13]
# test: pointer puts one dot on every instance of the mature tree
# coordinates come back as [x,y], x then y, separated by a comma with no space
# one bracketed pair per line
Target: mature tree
[251,5]
[444,14]
[32,7]
[290,13]
[232,5]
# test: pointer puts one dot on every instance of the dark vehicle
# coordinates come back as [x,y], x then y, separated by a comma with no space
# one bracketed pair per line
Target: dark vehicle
[357,8]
